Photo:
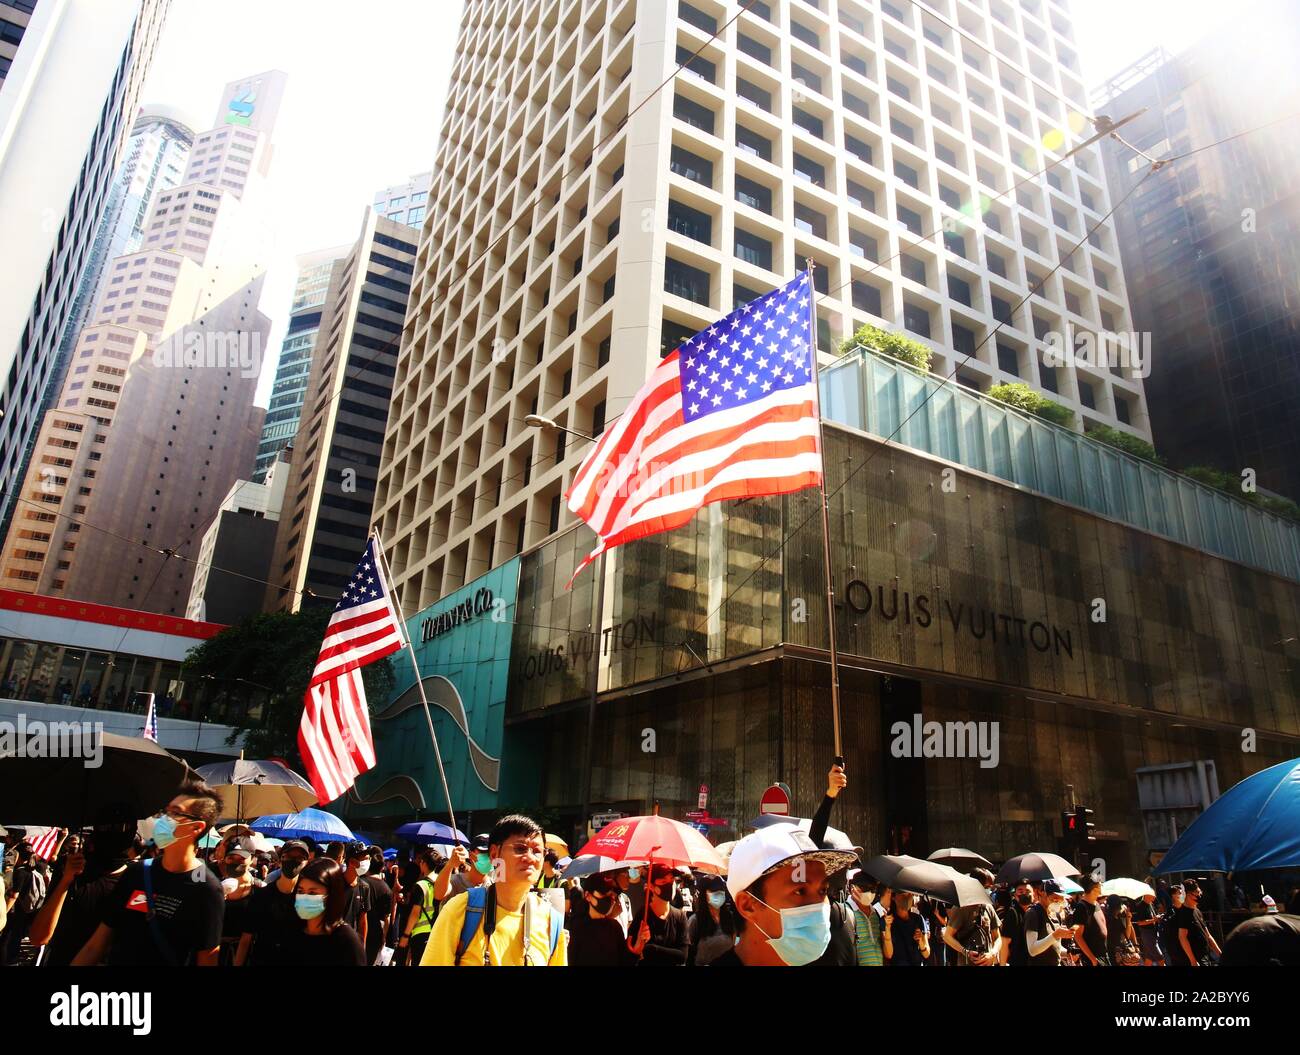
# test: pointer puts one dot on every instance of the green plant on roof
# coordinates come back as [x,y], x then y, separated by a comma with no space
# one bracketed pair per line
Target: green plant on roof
[894,345]
[1019,395]
[1126,442]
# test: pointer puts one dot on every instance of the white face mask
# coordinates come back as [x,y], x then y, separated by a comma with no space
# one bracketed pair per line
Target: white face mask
[865,898]
[364,866]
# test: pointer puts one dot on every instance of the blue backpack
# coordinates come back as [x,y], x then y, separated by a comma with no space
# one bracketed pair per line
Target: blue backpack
[476,906]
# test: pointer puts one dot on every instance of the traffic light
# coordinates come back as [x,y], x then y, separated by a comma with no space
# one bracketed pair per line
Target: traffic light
[1083,827]
[1068,832]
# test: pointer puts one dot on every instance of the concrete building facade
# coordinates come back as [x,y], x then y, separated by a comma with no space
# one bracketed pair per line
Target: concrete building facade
[407,202]
[573,242]
[69,86]
[155,419]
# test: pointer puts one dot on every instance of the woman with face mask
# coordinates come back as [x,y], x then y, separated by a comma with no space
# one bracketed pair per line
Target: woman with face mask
[657,937]
[873,940]
[711,929]
[324,940]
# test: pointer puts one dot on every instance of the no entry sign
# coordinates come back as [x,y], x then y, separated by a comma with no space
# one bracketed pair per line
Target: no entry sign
[775,800]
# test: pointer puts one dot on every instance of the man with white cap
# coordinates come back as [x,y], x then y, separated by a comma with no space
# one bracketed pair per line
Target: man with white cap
[778,880]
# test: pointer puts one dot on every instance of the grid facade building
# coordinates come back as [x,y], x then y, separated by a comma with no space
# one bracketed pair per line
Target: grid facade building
[407,202]
[573,242]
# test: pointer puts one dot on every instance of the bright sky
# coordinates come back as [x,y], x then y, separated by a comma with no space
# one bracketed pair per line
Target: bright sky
[367,84]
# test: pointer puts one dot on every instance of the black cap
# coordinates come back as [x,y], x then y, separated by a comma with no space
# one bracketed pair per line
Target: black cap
[480,842]
[356,850]
[295,844]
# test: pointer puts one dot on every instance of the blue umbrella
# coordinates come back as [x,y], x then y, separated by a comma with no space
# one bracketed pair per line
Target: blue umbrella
[432,832]
[1251,827]
[309,823]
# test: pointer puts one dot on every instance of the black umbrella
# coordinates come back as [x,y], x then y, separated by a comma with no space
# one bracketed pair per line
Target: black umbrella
[254,788]
[1034,868]
[590,864]
[926,877]
[960,859]
[885,867]
[106,779]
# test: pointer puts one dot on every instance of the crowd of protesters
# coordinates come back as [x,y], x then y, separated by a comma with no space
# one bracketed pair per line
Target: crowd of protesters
[111,896]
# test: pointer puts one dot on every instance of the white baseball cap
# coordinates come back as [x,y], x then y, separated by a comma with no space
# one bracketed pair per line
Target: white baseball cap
[767,849]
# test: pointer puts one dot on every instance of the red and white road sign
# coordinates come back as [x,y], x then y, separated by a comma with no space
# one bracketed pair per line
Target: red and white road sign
[704,796]
[775,800]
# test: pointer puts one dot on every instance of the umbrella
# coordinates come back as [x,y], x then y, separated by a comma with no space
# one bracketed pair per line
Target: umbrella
[929,877]
[255,788]
[834,839]
[590,864]
[724,851]
[960,859]
[885,866]
[308,823]
[554,842]
[1129,888]
[211,839]
[1035,867]
[659,840]
[563,863]
[135,778]
[390,855]
[1250,827]
[1067,886]
[428,832]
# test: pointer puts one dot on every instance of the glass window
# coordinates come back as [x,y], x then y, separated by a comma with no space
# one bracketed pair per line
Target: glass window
[809,170]
[695,17]
[809,123]
[691,166]
[693,113]
[959,290]
[867,298]
[692,223]
[398,202]
[753,249]
[683,280]
[1008,360]
[754,49]
[756,95]
[755,195]
[753,143]
[697,66]
[805,77]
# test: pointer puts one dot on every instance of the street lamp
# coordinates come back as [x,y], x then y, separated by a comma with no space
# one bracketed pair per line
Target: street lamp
[536,421]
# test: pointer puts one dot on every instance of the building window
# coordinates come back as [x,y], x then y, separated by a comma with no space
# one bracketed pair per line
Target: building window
[959,290]
[867,298]
[916,319]
[691,166]
[809,171]
[809,221]
[1008,360]
[755,195]
[690,222]
[695,17]
[754,94]
[752,48]
[671,335]
[682,280]
[1086,396]
[697,66]
[1122,411]
[754,250]
[858,148]
[810,124]
[741,295]
[753,143]
[693,114]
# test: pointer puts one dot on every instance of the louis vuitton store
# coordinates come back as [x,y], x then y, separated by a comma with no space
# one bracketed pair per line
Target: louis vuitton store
[1093,656]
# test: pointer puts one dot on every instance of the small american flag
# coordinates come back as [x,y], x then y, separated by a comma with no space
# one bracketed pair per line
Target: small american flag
[334,735]
[732,413]
[151,721]
[43,844]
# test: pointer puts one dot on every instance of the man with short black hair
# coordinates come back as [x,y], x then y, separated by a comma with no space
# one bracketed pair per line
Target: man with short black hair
[1090,926]
[381,905]
[1194,941]
[596,937]
[272,923]
[165,912]
[357,914]
[974,932]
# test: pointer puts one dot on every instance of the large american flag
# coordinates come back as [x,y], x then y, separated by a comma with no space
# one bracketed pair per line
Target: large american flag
[334,735]
[731,413]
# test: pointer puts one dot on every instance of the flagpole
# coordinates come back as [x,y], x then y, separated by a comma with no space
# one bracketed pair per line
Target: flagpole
[826,522]
[415,666]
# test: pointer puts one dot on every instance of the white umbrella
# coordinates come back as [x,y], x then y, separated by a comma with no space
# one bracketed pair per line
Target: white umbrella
[1129,888]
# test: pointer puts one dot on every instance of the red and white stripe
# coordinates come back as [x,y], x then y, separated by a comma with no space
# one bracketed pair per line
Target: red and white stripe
[357,636]
[43,844]
[652,472]
[334,735]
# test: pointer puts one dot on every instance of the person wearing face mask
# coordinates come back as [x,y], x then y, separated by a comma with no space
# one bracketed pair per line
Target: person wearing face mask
[423,910]
[1015,952]
[778,879]
[711,929]
[596,938]
[631,888]
[71,911]
[1193,941]
[239,885]
[873,941]
[907,932]
[323,938]
[1043,932]
[657,937]
[357,912]
[381,904]
[465,869]
[271,919]
[165,912]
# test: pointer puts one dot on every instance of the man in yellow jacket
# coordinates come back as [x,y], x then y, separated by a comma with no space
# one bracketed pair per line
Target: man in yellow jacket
[503,923]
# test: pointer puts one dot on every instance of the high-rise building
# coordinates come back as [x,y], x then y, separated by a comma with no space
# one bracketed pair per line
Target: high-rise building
[294,365]
[837,130]
[327,509]
[405,202]
[70,78]
[1212,245]
[155,419]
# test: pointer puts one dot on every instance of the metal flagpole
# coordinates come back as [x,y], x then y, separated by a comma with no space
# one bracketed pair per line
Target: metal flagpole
[415,666]
[826,523]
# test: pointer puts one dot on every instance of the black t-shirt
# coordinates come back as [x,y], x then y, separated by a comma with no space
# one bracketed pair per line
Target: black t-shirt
[727,959]
[1093,920]
[1013,931]
[596,942]
[1191,920]
[843,948]
[272,922]
[668,943]
[237,915]
[381,904]
[358,905]
[188,909]
[907,953]
[78,919]
[339,948]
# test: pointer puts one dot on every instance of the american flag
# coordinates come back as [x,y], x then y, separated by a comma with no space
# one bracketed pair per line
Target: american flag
[334,735]
[731,413]
[151,721]
[43,844]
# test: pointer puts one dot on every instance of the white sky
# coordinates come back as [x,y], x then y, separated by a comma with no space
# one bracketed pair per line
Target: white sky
[367,83]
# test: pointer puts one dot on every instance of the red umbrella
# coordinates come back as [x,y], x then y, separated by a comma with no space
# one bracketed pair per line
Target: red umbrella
[659,840]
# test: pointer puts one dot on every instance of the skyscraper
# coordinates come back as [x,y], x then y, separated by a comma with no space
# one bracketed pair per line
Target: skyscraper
[585,220]
[294,365]
[405,202]
[70,77]
[155,420]
[330,494]
[1212,246]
